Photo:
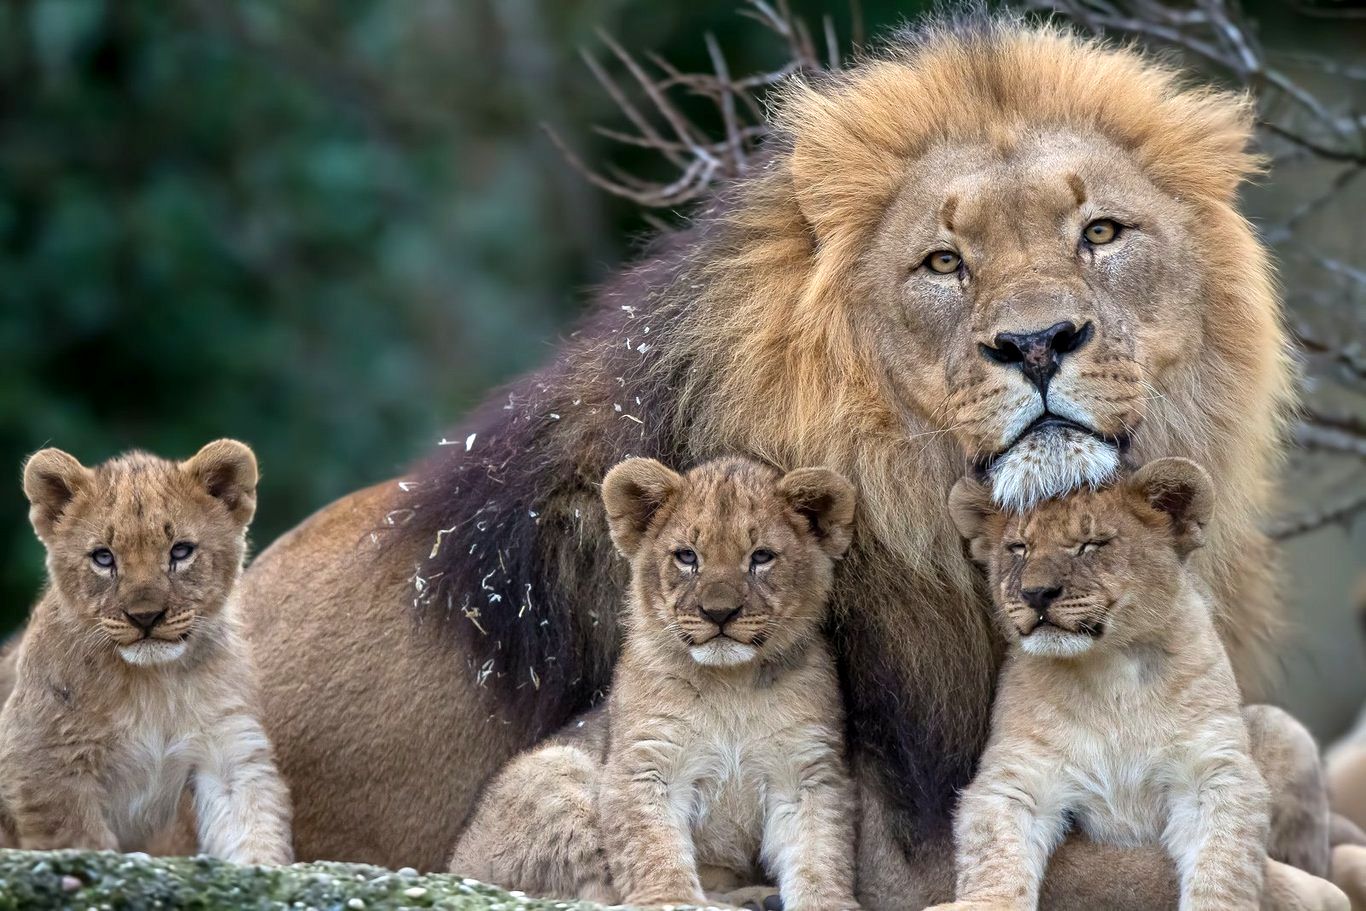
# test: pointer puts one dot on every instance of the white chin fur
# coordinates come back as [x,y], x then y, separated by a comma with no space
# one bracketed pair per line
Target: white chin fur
[722,652]
[149,652]
[1048,463]
[1055,643]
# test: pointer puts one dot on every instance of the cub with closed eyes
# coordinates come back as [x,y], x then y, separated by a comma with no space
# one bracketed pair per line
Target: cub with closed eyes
[1117,713]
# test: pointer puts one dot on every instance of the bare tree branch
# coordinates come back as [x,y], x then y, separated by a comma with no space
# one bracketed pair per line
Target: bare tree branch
[700,161]
[1340,512]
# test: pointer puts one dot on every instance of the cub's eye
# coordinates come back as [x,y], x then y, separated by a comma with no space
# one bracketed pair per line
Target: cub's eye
[685,556]
[1101,231]
[760,557]
[945,262]
[1017,549]
[1091,547]
[181,551]
[102,557]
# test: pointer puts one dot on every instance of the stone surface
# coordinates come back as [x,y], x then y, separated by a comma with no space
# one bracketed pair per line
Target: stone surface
[103,881]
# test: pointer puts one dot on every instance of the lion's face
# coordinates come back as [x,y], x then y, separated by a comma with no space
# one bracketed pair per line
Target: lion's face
[732,561]
[1029,295]
[1096,568]
[144,551]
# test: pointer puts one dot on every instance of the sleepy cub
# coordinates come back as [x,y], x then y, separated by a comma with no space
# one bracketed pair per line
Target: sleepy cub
[718,758]
[1117,711]
[133,682]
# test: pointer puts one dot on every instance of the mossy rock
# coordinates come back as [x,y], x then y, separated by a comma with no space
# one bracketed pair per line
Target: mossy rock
[104,881]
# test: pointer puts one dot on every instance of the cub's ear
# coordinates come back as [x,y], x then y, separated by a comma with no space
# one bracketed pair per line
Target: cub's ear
[824,500]
[970,507]
[633,493]
[1184,491]
[52,479]
[227,470]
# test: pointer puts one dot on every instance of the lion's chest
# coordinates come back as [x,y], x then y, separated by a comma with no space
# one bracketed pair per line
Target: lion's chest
[724,781]
[148,771]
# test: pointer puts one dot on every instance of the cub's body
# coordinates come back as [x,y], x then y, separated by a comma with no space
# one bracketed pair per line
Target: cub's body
[133,687]
[1120,739]
[717,761]
[733,758]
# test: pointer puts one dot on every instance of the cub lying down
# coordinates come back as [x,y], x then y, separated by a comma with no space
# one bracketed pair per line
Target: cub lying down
[718,758]
[132,682]
[1116,711]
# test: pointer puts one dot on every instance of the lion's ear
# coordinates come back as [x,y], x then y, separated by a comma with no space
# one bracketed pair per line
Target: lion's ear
[1184,491]
[227,470]
[52,479]
[824,501]
[633,493]
[970,507]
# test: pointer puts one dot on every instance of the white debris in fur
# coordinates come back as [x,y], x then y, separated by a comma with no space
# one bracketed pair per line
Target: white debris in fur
[469,441]
[1048,463]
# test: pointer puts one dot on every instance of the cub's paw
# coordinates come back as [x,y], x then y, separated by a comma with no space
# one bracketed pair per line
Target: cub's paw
[1291,889]
[1349,873]
[750,898]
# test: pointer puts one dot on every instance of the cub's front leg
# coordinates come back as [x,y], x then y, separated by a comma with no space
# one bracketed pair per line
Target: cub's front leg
[240,799]
[808,841]
[1217,832]
[645,830]
[1006,827]
[63,807]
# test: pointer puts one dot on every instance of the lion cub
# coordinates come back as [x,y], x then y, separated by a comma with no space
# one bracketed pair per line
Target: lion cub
[1117,710]
[133,682]
[719,756]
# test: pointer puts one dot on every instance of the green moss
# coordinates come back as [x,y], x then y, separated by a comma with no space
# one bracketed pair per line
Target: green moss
[101,881]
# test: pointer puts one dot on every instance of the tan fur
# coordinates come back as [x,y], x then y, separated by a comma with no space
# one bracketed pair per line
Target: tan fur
[793,340]
[1117,710]
[110,720]
[719,757]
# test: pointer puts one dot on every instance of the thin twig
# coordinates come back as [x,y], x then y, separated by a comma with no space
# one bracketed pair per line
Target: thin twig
[1340,512]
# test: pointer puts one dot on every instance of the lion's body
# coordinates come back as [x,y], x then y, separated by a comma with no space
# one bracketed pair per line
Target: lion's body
[477,615]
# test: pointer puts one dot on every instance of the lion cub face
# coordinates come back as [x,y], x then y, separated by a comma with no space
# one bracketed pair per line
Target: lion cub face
[145,551]
[731,561]
[1094,569]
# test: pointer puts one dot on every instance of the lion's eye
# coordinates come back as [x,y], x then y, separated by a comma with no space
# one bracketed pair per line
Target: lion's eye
[1091,547]
[102,557]
[1017,549]
[181,551]
[945,262]
[1101,231]
[760,557]
[686,556]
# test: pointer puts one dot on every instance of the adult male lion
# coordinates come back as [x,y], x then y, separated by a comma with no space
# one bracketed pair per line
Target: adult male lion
[995,245]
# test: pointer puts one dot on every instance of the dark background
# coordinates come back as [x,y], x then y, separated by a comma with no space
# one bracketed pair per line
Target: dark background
[325,228]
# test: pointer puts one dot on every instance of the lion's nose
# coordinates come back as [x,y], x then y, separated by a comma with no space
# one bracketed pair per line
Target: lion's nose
[1038,354]
[720,614]
[144,619]
[1040,598]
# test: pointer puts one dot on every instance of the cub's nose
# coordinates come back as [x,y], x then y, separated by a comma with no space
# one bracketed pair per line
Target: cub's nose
[1040,598]
[1038,354]
[720,614]
[145,619]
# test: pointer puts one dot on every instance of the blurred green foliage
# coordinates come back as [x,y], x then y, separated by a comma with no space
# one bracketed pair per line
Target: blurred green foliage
[324,228]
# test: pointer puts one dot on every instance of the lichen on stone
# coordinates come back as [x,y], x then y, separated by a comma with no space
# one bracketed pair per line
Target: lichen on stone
[105,881]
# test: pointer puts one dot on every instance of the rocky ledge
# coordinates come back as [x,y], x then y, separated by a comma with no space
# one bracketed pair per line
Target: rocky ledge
[102,881]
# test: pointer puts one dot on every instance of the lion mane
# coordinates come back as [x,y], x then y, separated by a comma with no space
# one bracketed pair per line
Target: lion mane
[735,336]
